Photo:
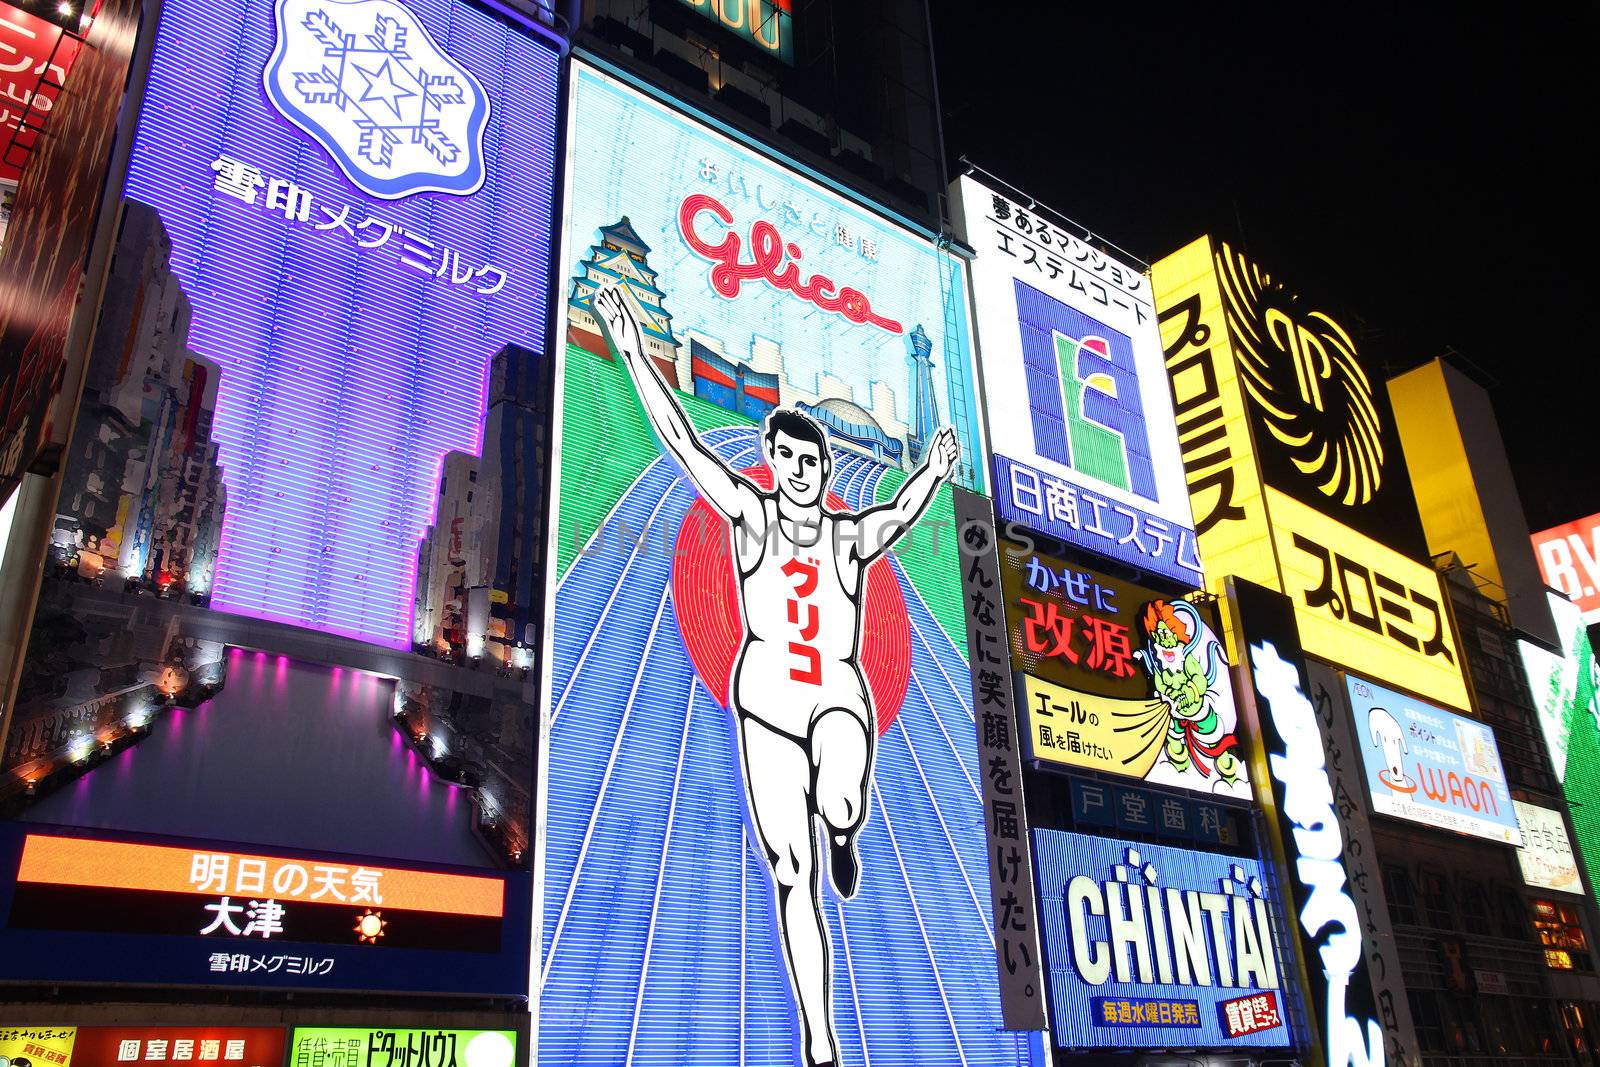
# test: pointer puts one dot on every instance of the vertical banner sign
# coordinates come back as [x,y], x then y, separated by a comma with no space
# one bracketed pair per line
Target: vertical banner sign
[1323,838]
[1016,919]
[1219,459]
[1565,684]
[47,243]
[760,700]
[1084,448]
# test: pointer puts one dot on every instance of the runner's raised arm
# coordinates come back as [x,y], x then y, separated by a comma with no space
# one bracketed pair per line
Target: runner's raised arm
[880,527]
[724,490]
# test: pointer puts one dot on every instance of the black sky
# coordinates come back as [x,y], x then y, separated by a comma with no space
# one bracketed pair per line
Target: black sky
[1417,167]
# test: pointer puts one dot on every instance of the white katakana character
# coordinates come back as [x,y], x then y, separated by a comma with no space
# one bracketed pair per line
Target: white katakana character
[336,222]
[486,271]
[387,227]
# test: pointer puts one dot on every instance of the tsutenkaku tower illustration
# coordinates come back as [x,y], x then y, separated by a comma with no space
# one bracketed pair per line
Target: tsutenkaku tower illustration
[924,407]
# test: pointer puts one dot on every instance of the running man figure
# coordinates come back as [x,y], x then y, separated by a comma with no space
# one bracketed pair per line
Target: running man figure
[807,727]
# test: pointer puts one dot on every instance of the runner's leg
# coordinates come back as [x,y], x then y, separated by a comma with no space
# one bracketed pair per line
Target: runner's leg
[841,755]
[777,777]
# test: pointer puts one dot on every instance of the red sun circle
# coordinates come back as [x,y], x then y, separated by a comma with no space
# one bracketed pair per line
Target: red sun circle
[706,599]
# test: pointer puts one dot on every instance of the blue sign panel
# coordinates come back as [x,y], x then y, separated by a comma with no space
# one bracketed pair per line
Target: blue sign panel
[1075,384]
[1149,946]
[1100,522]
[356,250]
[1431,766]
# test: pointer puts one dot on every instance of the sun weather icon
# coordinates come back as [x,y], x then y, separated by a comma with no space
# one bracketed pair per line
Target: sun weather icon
[370,926]
[366,81]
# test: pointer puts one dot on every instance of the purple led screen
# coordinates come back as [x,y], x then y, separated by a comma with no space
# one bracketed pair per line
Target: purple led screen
[352,333]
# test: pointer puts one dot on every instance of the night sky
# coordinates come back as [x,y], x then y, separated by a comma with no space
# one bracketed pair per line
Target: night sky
[1417,172]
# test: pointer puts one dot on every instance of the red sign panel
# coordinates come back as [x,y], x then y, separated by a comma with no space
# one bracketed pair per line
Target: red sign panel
[1569,559]
[34,60]
[178,1046]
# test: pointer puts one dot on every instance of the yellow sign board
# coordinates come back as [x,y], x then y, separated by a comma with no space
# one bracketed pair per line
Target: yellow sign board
[1366,607]
[40,1046]
[1213,432]
[1100,733]
[1358,603]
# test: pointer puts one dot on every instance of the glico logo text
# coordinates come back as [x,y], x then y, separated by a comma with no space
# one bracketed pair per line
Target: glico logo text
[772,261]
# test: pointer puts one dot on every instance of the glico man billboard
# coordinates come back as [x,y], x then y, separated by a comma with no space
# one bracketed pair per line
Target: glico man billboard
[322,263]
[1076,390]
[1157,947]
[1295,470]
[764,838]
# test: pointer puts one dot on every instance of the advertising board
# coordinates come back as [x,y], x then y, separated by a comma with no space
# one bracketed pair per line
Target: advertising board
[1118,678]
[1156,947]
[1569,560]
[1076,390]
[1295,472]
[1429,766]
[329,287]
[1565,683]
[1546,855]
[351,257]
[768,25]
[782,754]
[178,1046]
[350,1046]
[1349,963]
[52,225]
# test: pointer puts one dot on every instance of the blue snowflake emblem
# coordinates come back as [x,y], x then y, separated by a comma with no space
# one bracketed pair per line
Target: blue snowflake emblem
[366,81]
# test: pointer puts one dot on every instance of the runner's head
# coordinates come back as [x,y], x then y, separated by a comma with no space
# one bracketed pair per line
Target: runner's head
[796,448]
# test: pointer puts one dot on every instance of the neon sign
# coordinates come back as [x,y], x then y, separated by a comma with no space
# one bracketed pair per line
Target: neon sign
[767,250]
[1329,919]
[1428,766]
[351,316]
[1180,946]
[771,914]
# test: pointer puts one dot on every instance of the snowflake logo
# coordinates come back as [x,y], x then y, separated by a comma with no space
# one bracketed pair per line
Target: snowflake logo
[363,78]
